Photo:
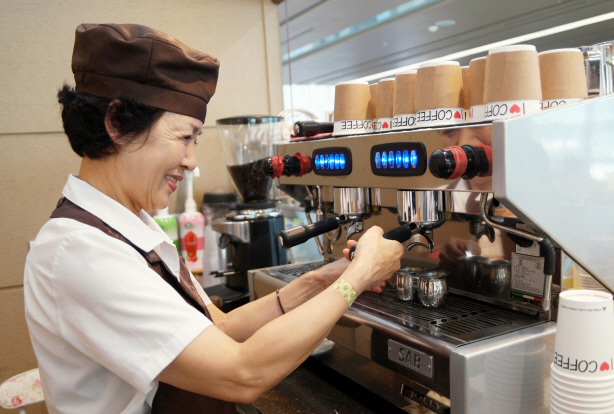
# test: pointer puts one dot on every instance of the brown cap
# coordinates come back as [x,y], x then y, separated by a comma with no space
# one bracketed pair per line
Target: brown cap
[155,68]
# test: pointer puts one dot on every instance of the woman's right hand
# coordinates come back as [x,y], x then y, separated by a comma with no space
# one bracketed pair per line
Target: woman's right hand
[375,260]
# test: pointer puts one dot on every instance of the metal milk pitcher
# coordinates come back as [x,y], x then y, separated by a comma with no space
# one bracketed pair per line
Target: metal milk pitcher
[598,64]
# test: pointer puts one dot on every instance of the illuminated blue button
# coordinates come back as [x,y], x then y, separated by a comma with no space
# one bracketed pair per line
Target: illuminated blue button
[317,162]
[413,159]
[378,160]
[384,159]
[342,161]
[405,159]
[391,159]
[399,160]
[337,162]
[326,161]
[331,162]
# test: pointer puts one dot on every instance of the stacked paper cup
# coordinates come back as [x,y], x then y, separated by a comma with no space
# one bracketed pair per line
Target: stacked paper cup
[563,77]
[404,105]
[353,114]
[582,374]
[466,86]
[512,83]
[383,110]
[477,70]
[439,94]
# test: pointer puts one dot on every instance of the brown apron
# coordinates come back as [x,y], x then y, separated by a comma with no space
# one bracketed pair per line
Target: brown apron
[168,399]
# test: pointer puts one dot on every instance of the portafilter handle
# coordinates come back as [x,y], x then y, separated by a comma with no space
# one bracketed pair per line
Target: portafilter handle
[400,234]
[300,234]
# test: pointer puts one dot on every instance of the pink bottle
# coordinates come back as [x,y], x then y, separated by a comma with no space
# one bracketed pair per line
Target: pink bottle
[192,229]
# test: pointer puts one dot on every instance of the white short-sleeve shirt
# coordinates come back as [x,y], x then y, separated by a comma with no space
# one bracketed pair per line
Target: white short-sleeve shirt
[102,323]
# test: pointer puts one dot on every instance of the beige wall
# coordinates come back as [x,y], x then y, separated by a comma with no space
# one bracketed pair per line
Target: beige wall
[35,52]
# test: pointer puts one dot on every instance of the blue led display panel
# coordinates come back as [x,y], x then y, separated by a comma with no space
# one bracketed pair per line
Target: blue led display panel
[400,159]
[332,161]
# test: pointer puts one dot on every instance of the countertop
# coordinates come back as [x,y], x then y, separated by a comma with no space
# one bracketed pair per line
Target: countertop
[313,388]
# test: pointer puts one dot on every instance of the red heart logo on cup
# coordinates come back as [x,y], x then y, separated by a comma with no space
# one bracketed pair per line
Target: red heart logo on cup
[385,125]
[604,367]
[457,115]
[515,109]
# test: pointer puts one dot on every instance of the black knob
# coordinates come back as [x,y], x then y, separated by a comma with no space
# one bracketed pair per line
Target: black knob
[442,163]
[267,167]
[288,165]
[292,166]
[466,161]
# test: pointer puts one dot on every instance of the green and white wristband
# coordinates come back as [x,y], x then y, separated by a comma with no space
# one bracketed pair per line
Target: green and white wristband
[346,291]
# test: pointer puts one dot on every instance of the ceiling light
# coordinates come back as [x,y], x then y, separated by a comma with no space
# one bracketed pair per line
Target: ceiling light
[445,23]
[433,29]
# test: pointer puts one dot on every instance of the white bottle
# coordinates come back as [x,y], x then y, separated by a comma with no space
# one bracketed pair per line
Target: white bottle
[192,229]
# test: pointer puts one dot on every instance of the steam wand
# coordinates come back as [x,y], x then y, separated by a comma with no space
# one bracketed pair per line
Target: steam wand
[546,248]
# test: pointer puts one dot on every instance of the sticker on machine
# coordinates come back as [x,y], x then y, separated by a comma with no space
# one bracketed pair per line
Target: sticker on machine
[527,278]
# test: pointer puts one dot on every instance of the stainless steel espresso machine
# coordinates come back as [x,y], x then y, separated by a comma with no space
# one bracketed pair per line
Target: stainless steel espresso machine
[490,204]
[249,232]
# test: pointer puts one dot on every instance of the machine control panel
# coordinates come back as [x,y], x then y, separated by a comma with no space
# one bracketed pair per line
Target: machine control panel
[332,161]
[399,159]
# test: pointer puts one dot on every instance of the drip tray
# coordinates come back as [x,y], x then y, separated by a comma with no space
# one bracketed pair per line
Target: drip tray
[460,320]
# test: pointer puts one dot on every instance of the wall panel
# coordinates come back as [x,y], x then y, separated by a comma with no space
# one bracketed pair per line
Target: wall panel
[36,48]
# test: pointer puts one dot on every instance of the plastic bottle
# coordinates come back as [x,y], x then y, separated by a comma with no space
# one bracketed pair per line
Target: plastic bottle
[169,224]
[192,229]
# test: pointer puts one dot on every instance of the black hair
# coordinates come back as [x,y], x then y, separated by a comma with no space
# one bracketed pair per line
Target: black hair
[83,117]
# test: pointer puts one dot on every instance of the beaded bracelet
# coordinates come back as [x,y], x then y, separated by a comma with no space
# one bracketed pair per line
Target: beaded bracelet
[346,291]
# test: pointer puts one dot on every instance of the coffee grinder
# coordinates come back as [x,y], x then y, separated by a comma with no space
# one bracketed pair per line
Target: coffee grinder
[249,231]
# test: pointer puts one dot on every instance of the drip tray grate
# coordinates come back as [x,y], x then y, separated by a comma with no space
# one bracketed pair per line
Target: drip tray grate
[460,320]
[294,271]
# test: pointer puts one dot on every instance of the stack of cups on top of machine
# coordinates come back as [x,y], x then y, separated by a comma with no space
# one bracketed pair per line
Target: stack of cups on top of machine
[582,373]
[510,81]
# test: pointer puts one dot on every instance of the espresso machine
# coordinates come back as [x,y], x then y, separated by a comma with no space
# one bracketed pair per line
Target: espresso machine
[493,211]
[248,232]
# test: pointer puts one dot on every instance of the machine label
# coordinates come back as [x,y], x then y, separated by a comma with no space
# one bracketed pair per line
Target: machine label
[424,400]
[410,358]
[528,274]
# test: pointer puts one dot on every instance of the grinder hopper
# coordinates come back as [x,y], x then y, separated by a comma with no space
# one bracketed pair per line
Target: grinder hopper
[245,142]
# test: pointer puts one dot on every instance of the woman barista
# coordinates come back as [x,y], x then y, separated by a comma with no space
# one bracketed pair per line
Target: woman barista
[117,322]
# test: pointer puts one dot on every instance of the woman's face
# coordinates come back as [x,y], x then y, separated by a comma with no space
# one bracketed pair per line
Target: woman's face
[151,166]
[467,136]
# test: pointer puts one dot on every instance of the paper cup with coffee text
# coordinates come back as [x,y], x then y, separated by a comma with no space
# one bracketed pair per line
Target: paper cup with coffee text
[439,94]
[352,112]
[584,344]
[475,93]
[404,105]
[512,85]
[383,110]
